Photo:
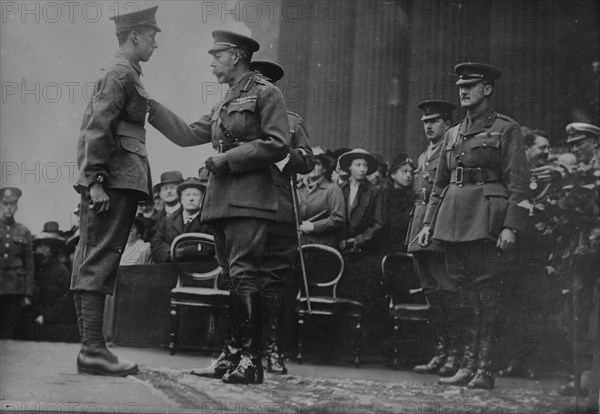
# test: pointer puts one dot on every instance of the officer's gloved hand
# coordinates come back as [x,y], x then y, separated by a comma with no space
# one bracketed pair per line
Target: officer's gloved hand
[217,164]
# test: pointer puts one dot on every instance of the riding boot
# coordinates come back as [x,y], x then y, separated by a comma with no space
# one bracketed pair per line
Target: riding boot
[437,362]
[468,365]
[484,377]
[454,344]
[94,357]
[273,312]
[230,356]
[249,369]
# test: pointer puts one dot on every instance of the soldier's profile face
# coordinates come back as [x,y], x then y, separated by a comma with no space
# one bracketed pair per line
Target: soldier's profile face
[434,128]
[146,43]
[8,209]
[584,149]
[223,65]
[358,169]
[472,95]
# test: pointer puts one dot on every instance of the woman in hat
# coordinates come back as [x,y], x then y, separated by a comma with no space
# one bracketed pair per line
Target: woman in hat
[322,205]
[363,201]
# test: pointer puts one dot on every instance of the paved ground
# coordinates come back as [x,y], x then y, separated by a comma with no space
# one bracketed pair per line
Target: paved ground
[41,377]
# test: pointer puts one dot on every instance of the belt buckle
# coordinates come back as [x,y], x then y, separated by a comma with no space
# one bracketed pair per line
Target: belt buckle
[461,175]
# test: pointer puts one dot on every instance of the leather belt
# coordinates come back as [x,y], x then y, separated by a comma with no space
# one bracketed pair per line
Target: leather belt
[463,175]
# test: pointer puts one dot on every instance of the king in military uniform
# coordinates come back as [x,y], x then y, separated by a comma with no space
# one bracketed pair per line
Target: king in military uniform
[482,175]
[249,129]
[16,262]
[429,261]
[113,176]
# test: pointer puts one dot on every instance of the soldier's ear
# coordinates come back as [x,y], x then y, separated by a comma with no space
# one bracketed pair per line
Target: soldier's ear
[488,88]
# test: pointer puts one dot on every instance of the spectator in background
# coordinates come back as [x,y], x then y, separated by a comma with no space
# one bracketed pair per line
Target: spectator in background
[186,220]
[167,190]
[398,201]
[377,178]
[137,251]
[16,263]
[52,300]
[322,205]
[338,175]
[151,217]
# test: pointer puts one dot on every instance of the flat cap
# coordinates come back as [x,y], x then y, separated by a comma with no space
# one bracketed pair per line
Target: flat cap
[144,17]
[268,69]
[9,194]
[580,130]
[435,109]
[226,40]
[471,72]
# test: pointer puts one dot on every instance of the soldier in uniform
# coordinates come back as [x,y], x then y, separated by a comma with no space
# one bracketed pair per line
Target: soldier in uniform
[113,176]
[482,176]
[429,261]
[282,239]
[250,131]
[16,262]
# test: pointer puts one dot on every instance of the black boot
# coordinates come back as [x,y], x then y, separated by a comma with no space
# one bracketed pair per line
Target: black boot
[453,361]
[437,362]
[273,313]
[94,357]
[484,377]
[230,357]
[468,364]
[249,370]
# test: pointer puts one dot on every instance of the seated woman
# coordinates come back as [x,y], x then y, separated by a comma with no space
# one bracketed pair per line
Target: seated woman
[322,206]
[398,201]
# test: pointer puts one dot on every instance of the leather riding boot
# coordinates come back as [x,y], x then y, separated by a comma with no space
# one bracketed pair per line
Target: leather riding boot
[230,357]
[273,313]
[437,362]
[468,365]
[484,377]
[94,357]
[453,361]
[249,370]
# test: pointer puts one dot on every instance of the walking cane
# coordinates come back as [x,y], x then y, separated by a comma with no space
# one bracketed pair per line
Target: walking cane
[299,236]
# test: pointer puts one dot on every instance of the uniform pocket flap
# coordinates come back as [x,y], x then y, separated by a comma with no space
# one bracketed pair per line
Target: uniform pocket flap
[487,140]
[242,105]
[495,190]
[134,145]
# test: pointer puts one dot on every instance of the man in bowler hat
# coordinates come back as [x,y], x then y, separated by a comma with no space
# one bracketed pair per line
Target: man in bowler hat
[249,129]
[481,178]
[113,176]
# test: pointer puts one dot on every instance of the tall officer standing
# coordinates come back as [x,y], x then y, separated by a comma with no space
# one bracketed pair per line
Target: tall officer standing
[16,263]
[113,176]
[482,175]
[250,130]
[430,263]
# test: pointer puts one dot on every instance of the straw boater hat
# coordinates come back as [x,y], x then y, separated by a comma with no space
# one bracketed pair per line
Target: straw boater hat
[346,159]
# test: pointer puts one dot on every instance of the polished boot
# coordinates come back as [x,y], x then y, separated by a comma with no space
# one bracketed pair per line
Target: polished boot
[453,361]
[94,357]
[437,362]
[468,364]
[484,377]
[249,370]
[230,357]
[273,313]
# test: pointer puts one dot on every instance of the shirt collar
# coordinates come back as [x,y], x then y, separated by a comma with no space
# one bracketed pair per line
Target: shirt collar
[135,64]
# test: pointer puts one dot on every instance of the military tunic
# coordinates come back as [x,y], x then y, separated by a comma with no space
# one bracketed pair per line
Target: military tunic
[112,146]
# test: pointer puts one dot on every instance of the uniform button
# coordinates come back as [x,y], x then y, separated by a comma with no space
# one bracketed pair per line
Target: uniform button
[426,163]
[6,244]
[8,236]
[5,255]
[464,138]
[460,185]
[136,149]
[462,153]
[484,144]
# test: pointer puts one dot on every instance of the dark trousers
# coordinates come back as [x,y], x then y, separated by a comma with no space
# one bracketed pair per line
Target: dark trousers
[10,310]
[478,269]
[102,241]
[240,244]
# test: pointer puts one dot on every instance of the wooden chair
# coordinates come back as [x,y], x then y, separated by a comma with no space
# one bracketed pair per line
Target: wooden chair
[196,281]
[407,301]
[324,268]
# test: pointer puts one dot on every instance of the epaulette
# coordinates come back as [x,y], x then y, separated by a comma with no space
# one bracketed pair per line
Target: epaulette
[504,117]
[456,124]
[260,80]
